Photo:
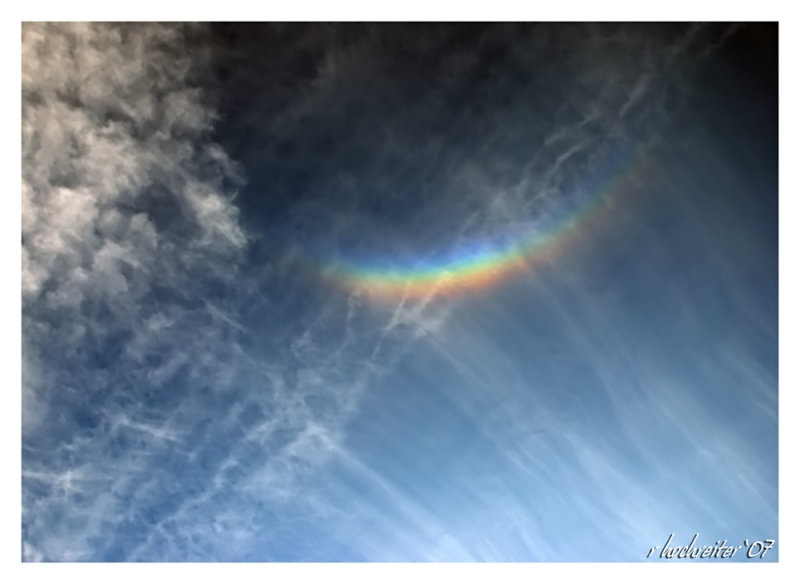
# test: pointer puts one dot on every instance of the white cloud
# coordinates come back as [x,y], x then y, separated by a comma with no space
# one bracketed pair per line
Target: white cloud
[123,201]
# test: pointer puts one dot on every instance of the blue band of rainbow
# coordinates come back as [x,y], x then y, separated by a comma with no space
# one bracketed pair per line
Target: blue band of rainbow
[478,267]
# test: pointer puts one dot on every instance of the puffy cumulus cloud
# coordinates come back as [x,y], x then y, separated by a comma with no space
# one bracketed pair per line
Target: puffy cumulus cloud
[156,418]
[127,220]
[122,187]
[107,117]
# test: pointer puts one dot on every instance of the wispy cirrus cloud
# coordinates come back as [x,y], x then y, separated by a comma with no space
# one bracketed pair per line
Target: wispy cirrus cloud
[194,388]
[138,376]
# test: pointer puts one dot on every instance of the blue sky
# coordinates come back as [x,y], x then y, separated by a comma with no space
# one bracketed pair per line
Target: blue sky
[200,383]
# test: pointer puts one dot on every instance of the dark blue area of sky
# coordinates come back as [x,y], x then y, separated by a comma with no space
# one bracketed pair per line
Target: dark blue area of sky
[690,267]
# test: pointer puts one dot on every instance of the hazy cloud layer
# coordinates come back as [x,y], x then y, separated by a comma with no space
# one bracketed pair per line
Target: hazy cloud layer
[194,389]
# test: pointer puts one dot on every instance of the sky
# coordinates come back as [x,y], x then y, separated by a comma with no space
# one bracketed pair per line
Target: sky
[394,292]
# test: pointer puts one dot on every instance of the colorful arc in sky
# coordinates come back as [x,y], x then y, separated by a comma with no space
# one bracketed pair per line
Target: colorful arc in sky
[475,270]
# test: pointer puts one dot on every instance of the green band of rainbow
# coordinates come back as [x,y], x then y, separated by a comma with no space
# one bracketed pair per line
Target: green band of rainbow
[484,267]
